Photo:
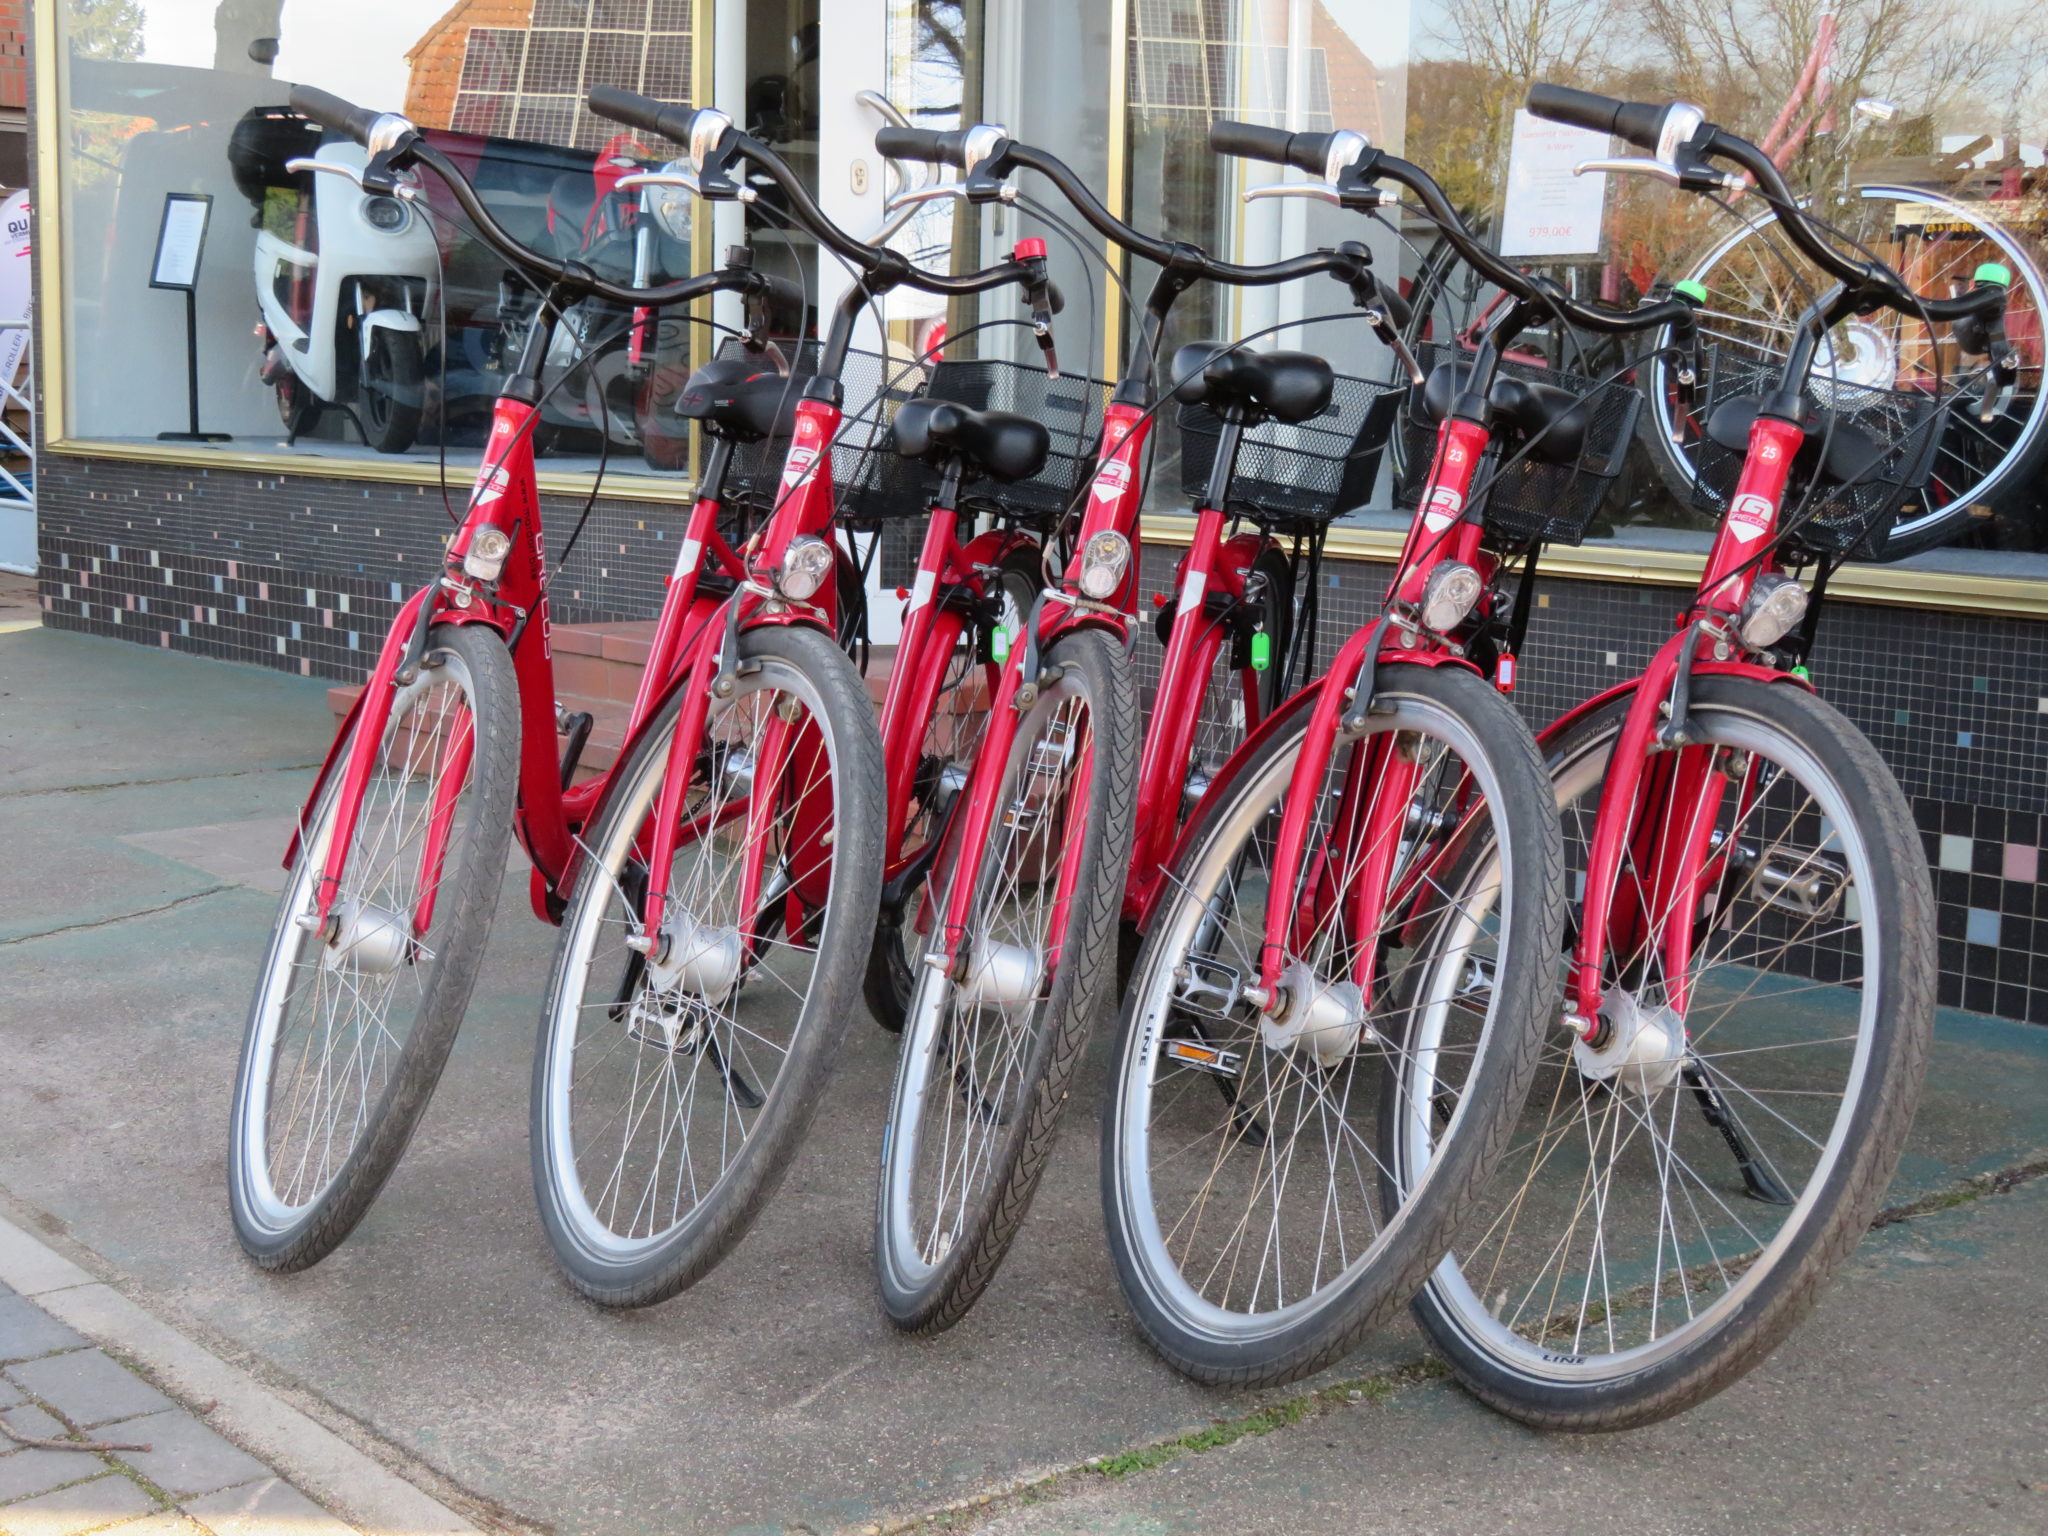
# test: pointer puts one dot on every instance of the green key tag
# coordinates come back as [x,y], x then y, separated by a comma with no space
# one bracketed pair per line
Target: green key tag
[1262,650]
[999,645]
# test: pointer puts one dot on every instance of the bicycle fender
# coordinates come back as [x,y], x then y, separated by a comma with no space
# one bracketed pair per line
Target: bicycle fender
[1755,671]
[395,641]
[1276,719]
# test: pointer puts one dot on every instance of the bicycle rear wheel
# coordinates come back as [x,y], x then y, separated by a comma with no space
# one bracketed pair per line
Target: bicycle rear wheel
[1255,1235]
[1680,1189]
[988,1053]
[350,1028]
[671,1088]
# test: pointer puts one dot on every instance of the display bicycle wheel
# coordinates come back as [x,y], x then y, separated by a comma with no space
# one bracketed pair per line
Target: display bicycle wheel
[1935,242]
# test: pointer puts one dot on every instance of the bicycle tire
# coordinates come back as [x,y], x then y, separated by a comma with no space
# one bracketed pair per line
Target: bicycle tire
[1565,1385]
[889,979]
[275,1233]
[1205,1338]
[927,1283]
[632,1269]
[2012,475]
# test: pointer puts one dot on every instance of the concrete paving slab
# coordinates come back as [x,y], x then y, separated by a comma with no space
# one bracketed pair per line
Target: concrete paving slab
[268,1508]
[247,852]
[76,1510]
[10,1394]
[27,1331]
[1910,1402]
[88,1388]
[31,1471]
[84,712]
[185,1458]
[33,1423]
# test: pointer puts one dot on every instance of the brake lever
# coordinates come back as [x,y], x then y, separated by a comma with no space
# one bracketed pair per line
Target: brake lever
[1324,192]
[635,180]
[408,190]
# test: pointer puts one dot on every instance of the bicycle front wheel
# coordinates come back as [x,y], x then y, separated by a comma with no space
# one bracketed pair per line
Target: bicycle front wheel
[675,1078]
[990,1047]
[1683,1185]
[351,1025]
[1256,1234]
[952,735]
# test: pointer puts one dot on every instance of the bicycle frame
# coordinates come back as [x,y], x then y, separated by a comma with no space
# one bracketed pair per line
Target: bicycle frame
[739,596]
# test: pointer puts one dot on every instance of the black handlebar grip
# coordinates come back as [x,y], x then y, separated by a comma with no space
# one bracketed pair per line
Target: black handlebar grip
[930,145]
[330,111]
[642,112]
[1631,121]
[1306,152]
[785,293]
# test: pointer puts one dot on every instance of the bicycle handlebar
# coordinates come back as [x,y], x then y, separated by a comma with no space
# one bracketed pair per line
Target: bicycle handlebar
[1677,129]
[931,145]
[643,112]
[1308,152]
[1311,151]
[1630,121]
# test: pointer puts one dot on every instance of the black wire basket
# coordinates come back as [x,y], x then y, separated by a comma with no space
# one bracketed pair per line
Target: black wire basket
[1296,477]
[876,484]
[1530,498]
[1826,515]
[1070,406]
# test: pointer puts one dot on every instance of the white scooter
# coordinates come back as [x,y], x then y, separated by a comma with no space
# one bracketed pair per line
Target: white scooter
[343,297]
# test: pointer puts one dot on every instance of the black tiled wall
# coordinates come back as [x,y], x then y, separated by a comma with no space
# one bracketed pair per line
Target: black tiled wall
[303,574]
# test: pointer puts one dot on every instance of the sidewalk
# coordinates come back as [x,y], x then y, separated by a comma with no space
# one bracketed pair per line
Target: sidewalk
[164,1473]
[143,799]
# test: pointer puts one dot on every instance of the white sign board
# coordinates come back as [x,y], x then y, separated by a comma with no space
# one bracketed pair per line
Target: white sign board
[1549,211]
[179,240]
[15,285]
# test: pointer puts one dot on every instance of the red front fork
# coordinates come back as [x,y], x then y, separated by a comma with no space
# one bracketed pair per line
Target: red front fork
[1673,862]
[1439,531]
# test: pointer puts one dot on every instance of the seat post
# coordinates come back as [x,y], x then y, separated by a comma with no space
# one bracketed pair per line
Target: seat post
[1223,469]
[950,476]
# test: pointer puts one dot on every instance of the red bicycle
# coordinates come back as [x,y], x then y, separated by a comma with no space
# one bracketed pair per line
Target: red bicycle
[716,888]
[1357,933]
[998,926]
[1751,980]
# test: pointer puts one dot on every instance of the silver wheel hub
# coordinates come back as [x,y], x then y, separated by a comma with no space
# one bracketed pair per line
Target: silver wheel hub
[699,959]
[367,938]
[1636,1048]
[1000,975]
[1858,353]
[1323,1019]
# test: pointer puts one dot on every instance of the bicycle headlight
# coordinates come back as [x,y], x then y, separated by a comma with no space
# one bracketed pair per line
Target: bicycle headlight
[672,206]
[1104,559]
[485,557]
[1448,595]
[805,565]
[1775,604]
